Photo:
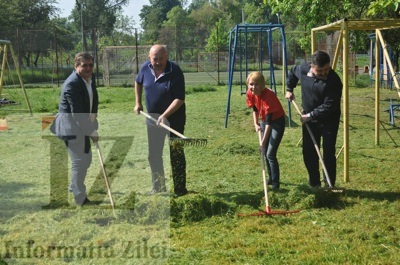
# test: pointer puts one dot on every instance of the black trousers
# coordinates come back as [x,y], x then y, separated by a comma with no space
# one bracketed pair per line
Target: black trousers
[327,131]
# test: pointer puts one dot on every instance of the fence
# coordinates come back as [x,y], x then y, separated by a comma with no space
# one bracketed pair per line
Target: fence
[47,58]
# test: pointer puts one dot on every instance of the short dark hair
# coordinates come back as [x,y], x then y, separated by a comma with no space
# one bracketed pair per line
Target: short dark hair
[82,56]
[320,58]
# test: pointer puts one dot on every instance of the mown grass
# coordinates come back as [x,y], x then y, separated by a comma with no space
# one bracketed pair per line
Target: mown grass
[359,226]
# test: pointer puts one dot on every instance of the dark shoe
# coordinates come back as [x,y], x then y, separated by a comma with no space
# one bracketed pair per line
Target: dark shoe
[154,191]
[86,201]
[55,205]
[181,193]
[275,187]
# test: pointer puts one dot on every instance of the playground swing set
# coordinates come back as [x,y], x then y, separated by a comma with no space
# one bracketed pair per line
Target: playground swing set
[386,78]
[239,48]
[6,49]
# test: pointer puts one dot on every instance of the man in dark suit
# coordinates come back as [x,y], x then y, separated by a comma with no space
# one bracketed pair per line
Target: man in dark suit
[76,122]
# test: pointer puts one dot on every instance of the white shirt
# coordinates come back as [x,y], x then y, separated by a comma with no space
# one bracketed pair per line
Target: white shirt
[90,92]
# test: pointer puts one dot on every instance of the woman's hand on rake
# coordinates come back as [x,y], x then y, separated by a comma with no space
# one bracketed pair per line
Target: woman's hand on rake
[262,149]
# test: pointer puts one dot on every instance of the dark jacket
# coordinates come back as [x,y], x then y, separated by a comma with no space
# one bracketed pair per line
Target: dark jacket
[321,98]
[74,109]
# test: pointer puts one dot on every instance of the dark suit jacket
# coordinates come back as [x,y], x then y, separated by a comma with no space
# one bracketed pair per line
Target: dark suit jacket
[74,108]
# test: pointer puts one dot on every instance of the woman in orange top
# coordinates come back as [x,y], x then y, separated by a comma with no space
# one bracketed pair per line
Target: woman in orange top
[269,117]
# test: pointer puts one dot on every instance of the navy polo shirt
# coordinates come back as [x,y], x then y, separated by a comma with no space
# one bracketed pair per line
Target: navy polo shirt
[160,93]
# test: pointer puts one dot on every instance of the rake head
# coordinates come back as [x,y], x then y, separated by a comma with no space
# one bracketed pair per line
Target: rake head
[334,190]
[268,211]
[175,142]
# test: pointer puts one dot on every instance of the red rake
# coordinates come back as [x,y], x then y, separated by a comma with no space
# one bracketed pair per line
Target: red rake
[268,210]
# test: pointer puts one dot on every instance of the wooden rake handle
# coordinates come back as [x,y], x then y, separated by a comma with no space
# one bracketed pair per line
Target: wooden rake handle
[163,125]
[103,169]
[264,174]
[316,146]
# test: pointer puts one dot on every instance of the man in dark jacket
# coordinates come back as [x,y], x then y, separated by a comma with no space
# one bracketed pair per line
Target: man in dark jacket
[321,91]
[76,122]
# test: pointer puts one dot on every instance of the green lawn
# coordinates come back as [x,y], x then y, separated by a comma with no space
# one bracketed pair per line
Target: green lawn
[359,226]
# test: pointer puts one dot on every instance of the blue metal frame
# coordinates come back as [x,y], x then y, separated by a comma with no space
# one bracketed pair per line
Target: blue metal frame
[233,46]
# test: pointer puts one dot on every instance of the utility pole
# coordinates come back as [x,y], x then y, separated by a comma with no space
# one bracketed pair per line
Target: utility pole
[81,9]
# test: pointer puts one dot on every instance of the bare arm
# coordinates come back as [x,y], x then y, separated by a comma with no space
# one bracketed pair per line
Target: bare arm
[255,120]
[138,97]
[267,131]
[173,107]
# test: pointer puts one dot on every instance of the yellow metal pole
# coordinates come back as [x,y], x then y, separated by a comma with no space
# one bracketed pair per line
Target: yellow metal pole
[345,31]
[337,51]
[313,41]
[3,65]
[377,82]
[329,26]
[20,79]
[387,57]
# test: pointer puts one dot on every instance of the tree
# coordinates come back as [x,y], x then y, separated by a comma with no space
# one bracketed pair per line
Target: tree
[379,7]
[6,18]
[219,37]
[96,14]
[153,16]
[204,20]
[175,29]
[33,16]
[304,15]
[391,9]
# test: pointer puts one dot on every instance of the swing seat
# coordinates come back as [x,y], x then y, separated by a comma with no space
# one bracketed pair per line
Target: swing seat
[4,101]
[392,112]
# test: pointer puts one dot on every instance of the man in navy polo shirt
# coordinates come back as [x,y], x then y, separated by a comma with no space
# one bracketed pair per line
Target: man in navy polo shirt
[164,86]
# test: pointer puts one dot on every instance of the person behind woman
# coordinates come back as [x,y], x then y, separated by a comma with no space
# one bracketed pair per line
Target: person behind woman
[269,117]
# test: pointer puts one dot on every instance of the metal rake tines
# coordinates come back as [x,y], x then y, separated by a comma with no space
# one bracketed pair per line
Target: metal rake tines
[334,190]
[270,212]
[187,142]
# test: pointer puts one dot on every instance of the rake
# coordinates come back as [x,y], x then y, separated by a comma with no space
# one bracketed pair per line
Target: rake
[183,140]
[328,180]
[268,210]
[103,169]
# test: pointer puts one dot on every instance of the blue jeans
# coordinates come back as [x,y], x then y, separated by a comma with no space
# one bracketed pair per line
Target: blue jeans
[273,142]
[81,158]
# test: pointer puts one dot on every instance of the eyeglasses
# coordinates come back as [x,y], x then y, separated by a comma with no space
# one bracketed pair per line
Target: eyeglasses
[87,65]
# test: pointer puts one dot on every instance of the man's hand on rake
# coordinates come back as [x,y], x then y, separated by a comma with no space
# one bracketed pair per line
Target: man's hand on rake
[161,120]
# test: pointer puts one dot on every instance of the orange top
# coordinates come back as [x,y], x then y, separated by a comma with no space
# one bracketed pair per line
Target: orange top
[266,103]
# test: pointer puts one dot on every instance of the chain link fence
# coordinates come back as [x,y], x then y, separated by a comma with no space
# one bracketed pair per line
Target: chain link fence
[46,58]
